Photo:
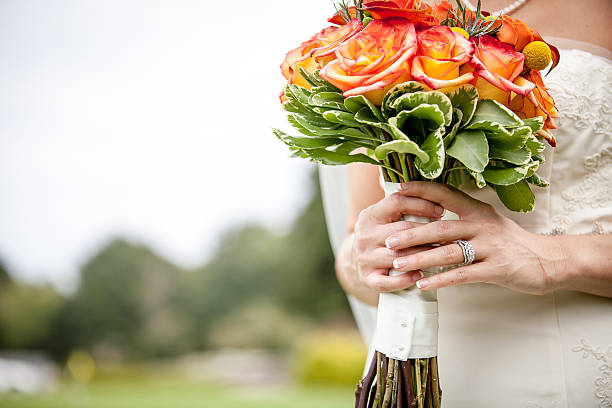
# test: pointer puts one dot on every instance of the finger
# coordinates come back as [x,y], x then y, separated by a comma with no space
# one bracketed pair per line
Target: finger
[442,194]
[393,207]
[434,232]
[450,254]
[478,272]
[383,257]
[382,231]
[381,282]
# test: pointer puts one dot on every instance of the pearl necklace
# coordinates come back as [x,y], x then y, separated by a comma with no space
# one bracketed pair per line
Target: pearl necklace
[506,10]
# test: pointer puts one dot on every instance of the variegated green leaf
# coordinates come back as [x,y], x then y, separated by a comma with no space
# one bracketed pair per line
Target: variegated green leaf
[434,147]
[465,99]
[410,101]
[513,140]
[536,180]
[341,117]
[395,92]
[478,179]
[432,115]
[356,103]
[454,127]
[399,146]
[536,123]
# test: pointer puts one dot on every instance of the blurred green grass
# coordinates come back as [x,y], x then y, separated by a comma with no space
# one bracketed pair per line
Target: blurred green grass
[141,393]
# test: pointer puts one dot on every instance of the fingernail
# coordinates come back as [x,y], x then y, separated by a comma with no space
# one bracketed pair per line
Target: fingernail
[421,284]
[439,210]
[392,242]
[399,263]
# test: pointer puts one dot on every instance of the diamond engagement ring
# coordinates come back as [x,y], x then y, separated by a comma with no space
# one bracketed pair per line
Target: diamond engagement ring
[468,252]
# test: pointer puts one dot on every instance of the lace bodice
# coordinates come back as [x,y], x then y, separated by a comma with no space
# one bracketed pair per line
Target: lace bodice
[579,199]
[581,183]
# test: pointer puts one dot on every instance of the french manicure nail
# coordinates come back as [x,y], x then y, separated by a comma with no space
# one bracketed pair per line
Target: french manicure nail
[391,242]
[399,263]
[422,283]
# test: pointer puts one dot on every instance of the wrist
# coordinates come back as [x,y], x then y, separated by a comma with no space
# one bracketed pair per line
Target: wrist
[554,257]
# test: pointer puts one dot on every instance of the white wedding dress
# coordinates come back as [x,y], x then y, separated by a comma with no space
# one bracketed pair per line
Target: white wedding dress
[500,348]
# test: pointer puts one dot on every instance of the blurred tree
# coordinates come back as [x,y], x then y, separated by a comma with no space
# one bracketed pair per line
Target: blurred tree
[5,278]
[125,303]
[27,314]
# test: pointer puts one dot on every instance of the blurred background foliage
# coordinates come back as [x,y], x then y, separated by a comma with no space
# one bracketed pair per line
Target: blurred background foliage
[260,290]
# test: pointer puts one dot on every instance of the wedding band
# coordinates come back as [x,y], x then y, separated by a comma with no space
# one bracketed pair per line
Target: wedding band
[468,252]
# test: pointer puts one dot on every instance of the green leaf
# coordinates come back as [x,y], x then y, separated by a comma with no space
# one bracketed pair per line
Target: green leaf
[489,127]
[505,177]
[355,103]
[305,142]
[450,135]
[358,133]
[454,178]
[490,110]
[327,100]
[519,157]
[336,159]
[347,147]
[534,145]
[395,92]
[341,117]
[517,197]
[297,93]
[366,117]
[291,119]
[513,140]
[464,98]
[434,147]
[431,114]
[471,148]
[312,129]
[478,179]
[536,123]
[410,101]
[399,146]
[537,180]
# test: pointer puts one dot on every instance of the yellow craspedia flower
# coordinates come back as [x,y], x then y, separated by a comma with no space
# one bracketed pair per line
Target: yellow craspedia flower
[461,31]
[537,55]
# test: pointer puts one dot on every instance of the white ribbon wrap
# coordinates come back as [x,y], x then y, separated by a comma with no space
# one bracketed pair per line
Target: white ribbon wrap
[407,322]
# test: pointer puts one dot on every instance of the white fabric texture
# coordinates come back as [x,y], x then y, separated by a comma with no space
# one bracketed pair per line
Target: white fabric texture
[499,348]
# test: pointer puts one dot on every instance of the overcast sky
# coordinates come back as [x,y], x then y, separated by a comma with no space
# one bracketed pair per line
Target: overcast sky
[144,119]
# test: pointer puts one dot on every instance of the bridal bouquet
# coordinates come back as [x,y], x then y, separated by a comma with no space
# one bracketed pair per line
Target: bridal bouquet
[442,94]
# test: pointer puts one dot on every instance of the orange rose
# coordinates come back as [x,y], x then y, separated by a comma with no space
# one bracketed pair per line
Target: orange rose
[317,51]
[418,13]
[499,64]
[373,60]
[440,53]
[537,103]
[518,34]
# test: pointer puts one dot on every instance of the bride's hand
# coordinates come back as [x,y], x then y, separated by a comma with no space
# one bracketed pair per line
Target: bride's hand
[506,254]
[374,224]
